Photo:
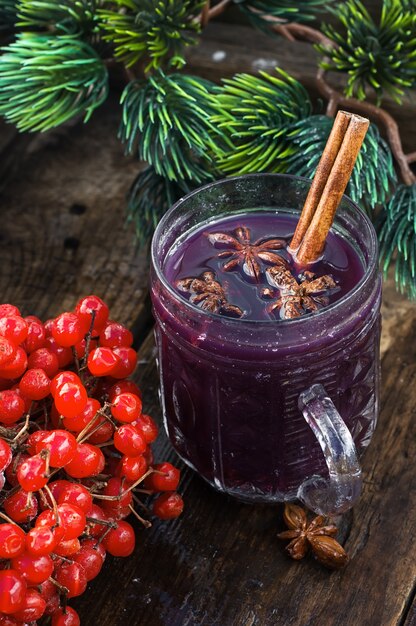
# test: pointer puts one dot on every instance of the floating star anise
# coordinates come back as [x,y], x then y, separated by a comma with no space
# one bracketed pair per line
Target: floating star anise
[247,254]
[316,535]
[208,294]
[298,298]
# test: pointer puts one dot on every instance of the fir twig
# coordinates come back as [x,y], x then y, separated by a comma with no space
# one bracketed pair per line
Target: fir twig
[45,81]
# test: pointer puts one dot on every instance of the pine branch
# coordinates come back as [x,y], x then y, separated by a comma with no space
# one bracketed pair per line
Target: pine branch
[258,113]
[166,121]
[68,18]
[379,56]
[261,12]
[45,81]
[397,235]
[373,175]
[155,30]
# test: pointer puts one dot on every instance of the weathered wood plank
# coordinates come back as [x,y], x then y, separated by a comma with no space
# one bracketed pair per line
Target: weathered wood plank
[221,564]
[63,230]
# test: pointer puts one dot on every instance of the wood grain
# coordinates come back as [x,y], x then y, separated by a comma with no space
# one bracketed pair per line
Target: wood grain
[63,232]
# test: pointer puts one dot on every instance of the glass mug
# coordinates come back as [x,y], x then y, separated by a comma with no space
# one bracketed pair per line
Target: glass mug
[270,411]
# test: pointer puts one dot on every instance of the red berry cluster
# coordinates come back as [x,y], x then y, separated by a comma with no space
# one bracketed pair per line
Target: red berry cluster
[75,458]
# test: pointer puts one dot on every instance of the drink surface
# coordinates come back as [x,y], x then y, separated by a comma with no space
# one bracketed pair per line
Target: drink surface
[243,269]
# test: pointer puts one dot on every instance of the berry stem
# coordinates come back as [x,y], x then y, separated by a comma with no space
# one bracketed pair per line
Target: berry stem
[24,428]
[100,413]
[54,505]
[149,471]
[87,342]
[63,590]
[143,521]
[76,360]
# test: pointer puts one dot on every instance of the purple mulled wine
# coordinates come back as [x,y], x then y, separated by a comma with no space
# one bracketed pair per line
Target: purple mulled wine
[269,372]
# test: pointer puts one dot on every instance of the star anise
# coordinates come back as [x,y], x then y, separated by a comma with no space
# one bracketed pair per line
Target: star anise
[298,298]
[208,294]
[316,535]
[247,254]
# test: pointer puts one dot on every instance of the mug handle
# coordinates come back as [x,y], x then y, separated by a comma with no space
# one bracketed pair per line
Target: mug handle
[342,488]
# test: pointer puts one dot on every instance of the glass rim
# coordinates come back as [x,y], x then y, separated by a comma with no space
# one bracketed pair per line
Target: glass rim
[335,306]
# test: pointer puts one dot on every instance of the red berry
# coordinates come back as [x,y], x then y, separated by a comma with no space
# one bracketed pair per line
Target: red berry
[67,547]
[35,384]
[127,363]
[70,399]
[40,541]
[148,455]
[16,367]
[80,347]
[73,520]
[74,493]
[8,309]
[90,559]
[12,591]
[102,361]
[84,308]
[120,541]
[115,335]
[126,407]
[12,407]
[34,569]
[166,478]
[61,445]
[35,335]
[114,488]
[97,513]
[80,421]
[102,434]
[71,576]
[67,330]
[33,608]
[123,386]
[11,470]
[61,378]
[47,519]
[87,461]
[147,427]
[129,441]
[32,473]
[5,454]
[53,604]
[7,351]
[132,467]
[64,355]
[12,541]
[14,327]
[26,400]
[168,505]
[21,507]
[65,617]
[44,359]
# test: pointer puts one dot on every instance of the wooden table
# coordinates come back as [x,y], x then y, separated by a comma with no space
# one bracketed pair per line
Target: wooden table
[63,235]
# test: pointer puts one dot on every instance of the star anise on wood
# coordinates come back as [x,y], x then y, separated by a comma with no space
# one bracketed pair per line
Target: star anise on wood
[316,535]
[208,294]
[247,254]
[298,298]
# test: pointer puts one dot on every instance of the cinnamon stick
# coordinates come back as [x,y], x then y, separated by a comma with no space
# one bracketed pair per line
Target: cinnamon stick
[321,176]
[313,242]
